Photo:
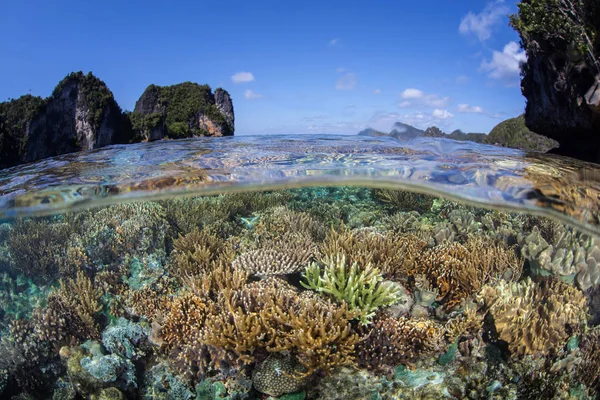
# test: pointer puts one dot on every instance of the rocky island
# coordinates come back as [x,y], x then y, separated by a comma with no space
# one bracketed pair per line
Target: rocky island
[509,133]
[561,78]
[82,114]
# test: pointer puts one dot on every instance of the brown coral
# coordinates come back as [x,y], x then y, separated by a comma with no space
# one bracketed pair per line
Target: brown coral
[459,271]
[392,341]
[279,220]
[400,200]
[535,318]
[395,255]
[198,252]
[71,312]
[272,315]
[285,255]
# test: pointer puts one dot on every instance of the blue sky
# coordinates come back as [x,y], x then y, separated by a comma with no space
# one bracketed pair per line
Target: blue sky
[291,67]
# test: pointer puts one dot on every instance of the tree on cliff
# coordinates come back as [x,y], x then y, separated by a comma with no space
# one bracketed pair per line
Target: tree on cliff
[561,79]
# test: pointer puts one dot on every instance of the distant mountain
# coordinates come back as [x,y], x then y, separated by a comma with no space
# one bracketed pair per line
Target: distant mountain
[372,132]
[404,131]
[510,133]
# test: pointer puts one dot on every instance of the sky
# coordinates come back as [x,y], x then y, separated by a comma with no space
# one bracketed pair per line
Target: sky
[290,67]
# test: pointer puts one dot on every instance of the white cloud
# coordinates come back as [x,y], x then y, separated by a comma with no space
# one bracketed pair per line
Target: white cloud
[334,42]
[422,98]
[441,114]
[481,24]
[377,91]
[465,108]
[462,79]
[340,69]
[249,94]
[346,82]
[242,77]
[412,94]
[505,65]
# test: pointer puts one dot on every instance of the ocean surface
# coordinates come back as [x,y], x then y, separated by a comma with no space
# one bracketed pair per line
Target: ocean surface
[311,267]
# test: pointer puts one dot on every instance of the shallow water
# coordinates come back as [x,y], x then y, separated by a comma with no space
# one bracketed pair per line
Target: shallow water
[333,282]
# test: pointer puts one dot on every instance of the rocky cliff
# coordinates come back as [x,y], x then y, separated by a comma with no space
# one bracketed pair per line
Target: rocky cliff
[183,110]
[561,79]
[81,114]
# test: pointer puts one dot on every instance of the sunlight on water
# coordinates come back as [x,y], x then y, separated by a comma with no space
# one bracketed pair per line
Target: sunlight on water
[331,282]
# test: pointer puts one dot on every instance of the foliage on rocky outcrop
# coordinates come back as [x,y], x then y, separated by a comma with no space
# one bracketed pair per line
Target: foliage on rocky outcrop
[183,110]
[514,133]
[561,78]
[82,114]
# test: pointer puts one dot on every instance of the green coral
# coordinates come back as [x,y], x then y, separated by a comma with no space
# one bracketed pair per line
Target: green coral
[362,288]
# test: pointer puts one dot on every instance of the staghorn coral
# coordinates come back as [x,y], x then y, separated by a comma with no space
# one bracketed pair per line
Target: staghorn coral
[390,341]
[36,247]
[80,295]
[362,288]
[534,318]
[71,312]
[395,255]
[270,314]
[285,255]
[187,313]
[277,221]
[458,271]
[133,229]
[198,252]
[217,214]
[400,200]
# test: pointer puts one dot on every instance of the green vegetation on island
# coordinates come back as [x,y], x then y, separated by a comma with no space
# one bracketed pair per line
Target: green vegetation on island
[561,78]
[82,114]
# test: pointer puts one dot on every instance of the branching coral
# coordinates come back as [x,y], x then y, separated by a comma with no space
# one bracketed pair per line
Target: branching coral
[389,341]
[37,246]
[234,327]
[133,229]
[285,255]
[391,253]
[198,252]
[71,312]
[535,318]
[459,271]
[400,200]
[276,221]
[362,288]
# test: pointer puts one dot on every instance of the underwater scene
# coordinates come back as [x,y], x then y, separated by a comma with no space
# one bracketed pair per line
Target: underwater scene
[300,269]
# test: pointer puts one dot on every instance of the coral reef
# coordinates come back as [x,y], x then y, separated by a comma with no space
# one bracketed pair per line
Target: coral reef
[395,255]
[399,200]
[390,341]
[535,318]
[362,288]
[286,255]
[459,271]
[276,375]
[304,293]
[198,252]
